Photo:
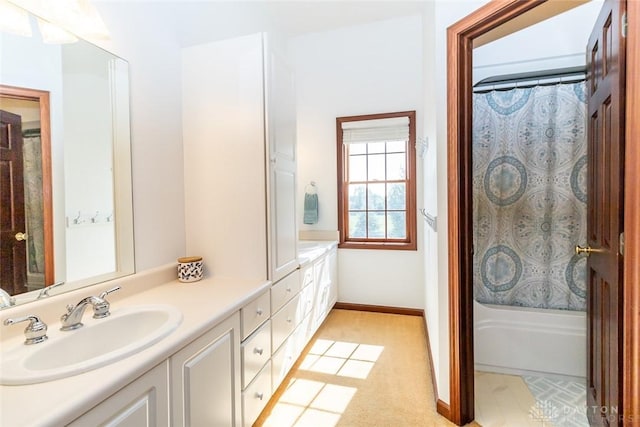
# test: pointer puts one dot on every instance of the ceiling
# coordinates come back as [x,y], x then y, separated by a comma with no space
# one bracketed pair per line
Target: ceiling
[195,22]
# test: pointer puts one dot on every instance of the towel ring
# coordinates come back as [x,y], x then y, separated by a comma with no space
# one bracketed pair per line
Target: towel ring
[311,188]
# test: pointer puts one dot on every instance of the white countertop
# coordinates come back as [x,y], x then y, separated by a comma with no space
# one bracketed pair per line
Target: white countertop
[309,250]
[203,304]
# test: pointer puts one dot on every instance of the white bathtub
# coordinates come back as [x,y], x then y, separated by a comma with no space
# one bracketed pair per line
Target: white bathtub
[521,340]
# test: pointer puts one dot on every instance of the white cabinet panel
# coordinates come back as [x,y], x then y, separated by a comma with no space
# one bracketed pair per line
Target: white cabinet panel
[281,141]
[205,377]
[256,351]
[332,259]
[306,274]
[239,134]
[283,360]
[142,403]
[224,156]
[284,322]
[284,290]
[306,298]
[255,313]
[256,396]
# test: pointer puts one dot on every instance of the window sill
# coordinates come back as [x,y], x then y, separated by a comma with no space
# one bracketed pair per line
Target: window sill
[403,246]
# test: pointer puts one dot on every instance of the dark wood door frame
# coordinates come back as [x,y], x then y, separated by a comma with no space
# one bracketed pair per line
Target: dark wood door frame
[460,37]
[42,97]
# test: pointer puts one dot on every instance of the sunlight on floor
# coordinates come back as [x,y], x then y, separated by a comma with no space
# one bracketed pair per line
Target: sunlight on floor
[315,403]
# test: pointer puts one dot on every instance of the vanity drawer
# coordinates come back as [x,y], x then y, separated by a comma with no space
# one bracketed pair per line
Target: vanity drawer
[283,360]
[306,299]
[254,313]
[306,275]
[284,290]
[256,396]
[255,353]
[284,322]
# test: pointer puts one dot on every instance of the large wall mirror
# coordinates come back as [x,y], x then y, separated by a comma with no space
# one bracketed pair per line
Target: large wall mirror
[65,164]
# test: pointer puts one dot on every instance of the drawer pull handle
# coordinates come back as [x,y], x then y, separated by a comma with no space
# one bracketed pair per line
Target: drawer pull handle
[258,350]
[288,289]
[289,320]
[259,312]
[260,396]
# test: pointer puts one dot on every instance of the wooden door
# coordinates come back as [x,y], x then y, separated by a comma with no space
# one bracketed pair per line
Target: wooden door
[606,74]
[13,267]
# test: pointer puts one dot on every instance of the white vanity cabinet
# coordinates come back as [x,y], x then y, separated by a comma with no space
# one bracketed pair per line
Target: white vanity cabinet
[239,132]
[143,403]
[205,378]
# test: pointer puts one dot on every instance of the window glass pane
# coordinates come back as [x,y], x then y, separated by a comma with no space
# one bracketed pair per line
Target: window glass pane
[376,167]
[357,197]
[376,225]
[396,166]
[396,146]
[357,224]
[376,197]
[375,147]
[357,168]
[397,225]
[357,148]
[396,196]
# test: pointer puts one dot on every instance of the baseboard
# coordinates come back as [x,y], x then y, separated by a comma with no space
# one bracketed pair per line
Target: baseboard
[430,358]
[443,409]
[379,309]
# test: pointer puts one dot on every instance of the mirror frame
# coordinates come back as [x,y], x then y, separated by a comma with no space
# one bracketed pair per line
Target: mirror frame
[42,97]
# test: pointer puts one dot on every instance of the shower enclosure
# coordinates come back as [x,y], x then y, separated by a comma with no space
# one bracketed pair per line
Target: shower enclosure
[529,212]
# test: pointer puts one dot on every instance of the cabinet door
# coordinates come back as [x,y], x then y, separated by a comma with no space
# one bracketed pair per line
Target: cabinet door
[322,280]
[332,258]
[144,402]
[205,378]
[281,148]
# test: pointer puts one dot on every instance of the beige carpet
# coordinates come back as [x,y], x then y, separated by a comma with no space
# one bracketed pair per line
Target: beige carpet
[360,369]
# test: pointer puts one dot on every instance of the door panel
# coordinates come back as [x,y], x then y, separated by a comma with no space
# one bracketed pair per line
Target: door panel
[13,271]
[606,65]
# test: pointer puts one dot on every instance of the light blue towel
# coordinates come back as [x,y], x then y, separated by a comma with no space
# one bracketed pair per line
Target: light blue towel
[310,208]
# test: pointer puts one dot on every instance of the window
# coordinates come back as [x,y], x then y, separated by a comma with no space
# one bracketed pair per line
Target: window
[376,181]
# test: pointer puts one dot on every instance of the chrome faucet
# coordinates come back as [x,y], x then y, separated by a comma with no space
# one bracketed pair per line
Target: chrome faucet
[6,300]
[44,292]
[72,319]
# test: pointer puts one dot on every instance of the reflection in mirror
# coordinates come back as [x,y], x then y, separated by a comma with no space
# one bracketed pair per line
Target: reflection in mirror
[65,171]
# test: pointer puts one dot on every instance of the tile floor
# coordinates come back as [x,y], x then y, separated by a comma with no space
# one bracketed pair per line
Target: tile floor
[510,400]
[561,400]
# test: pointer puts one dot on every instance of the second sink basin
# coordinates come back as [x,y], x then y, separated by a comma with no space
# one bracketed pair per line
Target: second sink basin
[100,342]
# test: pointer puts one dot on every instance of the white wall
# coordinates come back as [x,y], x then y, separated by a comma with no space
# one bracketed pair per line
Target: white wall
[153,53]
[365,69]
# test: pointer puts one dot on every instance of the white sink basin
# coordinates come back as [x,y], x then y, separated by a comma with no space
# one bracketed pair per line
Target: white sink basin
[99,342]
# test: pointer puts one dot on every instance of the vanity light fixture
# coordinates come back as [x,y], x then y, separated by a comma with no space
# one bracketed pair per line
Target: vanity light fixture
[52,34]
[14,20]
[78,16]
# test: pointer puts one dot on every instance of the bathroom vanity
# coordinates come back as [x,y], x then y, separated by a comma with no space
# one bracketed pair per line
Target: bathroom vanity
[235,344]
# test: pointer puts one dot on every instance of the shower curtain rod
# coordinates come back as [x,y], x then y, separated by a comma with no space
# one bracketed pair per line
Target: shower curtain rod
[531,79]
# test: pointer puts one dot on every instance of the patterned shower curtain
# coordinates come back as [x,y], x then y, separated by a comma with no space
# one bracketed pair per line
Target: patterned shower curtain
[529,196]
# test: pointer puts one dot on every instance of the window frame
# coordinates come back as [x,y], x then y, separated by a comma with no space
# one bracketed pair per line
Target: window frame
[411,240]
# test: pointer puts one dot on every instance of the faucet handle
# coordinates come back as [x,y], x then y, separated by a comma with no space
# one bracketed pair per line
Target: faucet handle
[107,292]
[101,308]
[44,292]
[35,332]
